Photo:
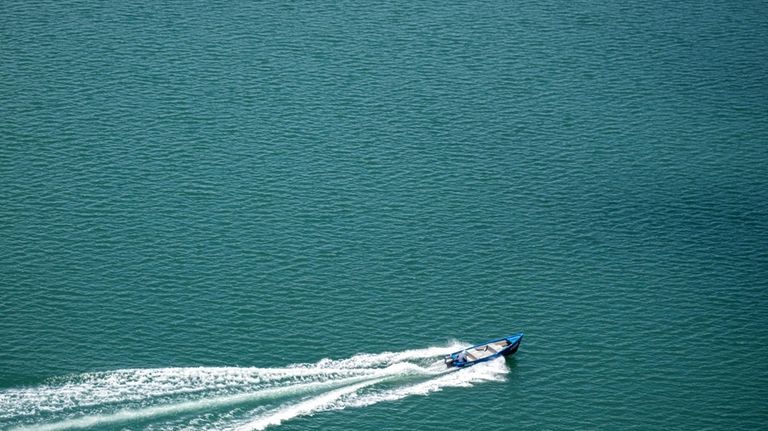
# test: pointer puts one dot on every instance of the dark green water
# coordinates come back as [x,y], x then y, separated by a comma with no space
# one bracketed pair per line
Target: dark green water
[249,187]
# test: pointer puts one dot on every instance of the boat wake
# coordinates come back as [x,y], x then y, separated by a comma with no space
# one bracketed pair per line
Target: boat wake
[233,398]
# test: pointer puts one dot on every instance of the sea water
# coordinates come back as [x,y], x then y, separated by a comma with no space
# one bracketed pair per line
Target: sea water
[249,215]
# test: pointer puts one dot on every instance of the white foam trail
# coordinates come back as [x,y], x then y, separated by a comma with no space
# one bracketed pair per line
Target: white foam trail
[371,360]
[119,386]
[314,404]
[348,397]
[137,385]
[93,399]
[187,406]
[495,370]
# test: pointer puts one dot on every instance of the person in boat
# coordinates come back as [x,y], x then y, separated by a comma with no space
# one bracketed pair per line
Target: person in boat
[462,356]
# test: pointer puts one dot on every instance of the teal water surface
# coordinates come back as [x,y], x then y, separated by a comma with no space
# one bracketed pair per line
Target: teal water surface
[242,215]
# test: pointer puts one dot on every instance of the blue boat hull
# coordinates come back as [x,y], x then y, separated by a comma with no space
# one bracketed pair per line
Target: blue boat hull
[484,352]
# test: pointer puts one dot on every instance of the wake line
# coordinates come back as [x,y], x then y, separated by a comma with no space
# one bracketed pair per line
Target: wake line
[350,396]
[94,389]
[233,398]
[183,407]
[306,407]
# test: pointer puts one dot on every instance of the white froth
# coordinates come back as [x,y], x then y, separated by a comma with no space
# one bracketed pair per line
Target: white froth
[150,395]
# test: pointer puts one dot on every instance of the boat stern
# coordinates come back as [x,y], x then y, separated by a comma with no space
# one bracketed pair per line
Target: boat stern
[449,361]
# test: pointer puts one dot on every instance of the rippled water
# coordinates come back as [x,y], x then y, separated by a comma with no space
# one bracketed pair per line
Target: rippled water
[195,193]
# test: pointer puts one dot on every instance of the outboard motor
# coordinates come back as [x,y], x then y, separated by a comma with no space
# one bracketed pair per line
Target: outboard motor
[448,361]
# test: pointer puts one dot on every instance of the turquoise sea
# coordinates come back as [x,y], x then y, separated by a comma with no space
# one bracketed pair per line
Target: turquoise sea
[247,215]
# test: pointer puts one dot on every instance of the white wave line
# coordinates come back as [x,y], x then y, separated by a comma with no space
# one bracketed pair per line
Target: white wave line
[335,382]
[348,397]
[137,385]
[163,410]
[314,404]
[490,371]
[369,359]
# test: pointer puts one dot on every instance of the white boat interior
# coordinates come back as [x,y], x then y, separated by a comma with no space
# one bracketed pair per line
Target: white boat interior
[480,352]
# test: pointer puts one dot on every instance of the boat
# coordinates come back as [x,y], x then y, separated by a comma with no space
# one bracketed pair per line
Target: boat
[484,352]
